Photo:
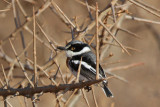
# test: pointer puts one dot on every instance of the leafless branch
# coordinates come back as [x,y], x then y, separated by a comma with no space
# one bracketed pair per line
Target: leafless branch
[51,88]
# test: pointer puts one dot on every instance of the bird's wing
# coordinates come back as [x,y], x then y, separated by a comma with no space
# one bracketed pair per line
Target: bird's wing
[88,65]
[90,59]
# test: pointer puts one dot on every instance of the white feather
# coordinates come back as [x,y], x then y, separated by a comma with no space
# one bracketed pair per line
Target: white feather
[70,53]
[86,65]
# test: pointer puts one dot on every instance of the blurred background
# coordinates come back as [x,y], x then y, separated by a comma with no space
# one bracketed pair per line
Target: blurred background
[142,89]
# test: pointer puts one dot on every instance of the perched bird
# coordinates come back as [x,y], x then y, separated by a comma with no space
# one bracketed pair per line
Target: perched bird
[74,51]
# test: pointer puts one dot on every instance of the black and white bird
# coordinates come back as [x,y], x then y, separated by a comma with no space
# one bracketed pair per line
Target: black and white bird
[74,51]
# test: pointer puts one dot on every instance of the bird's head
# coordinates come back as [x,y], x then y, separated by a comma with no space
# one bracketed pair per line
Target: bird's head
[75,48]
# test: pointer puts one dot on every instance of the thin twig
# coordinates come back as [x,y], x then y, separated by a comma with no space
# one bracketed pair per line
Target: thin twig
[75,99]
[62,13]
[45,35]
[38,38]
[60,72]
[70,97]
[125,67]
[6,79]
[4,10]
[127,47]
[84,4]
[113,10]
[148,5]
[123,5]
[116,76]
[22,67]
[85,97]
[97,44]
[6,1]
[34,49]
[18,24]
[94,97]
[28,20]
[113,28]
[2,83]
[79,70]
[52,80]
[142,19]
[14,61]
[109,71]
[114,38]
[110,63]
[129,32]
[89,11]
[145,8]
[21,8]
[91,25]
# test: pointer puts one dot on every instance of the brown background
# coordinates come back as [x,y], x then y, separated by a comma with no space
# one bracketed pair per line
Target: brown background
[143,89]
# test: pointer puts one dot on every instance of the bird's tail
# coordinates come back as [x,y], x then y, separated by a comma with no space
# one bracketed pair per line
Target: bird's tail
[106,90]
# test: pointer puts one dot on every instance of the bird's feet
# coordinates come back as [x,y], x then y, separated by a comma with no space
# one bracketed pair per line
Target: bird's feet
[88,88]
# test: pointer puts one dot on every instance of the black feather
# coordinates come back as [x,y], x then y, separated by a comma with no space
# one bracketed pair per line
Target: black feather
[106,90]
[88,67]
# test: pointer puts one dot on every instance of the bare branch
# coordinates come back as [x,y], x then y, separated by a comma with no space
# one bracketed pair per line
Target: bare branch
[50,88]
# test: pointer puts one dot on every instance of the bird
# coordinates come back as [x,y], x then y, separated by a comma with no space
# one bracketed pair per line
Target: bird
[75,50]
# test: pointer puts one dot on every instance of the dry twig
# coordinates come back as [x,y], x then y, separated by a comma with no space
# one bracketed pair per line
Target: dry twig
[85,97]
[97,44]
[34,49]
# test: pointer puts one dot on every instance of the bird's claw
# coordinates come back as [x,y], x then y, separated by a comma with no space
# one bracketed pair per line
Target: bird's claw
[88,88]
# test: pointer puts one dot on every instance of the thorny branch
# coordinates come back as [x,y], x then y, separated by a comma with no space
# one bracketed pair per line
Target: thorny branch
[110,21]
[50,88]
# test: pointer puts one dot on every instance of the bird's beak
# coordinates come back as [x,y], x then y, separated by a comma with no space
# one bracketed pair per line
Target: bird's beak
[61,48]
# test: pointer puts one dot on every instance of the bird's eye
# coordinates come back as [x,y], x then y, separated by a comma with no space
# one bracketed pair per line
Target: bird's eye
[72,48]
